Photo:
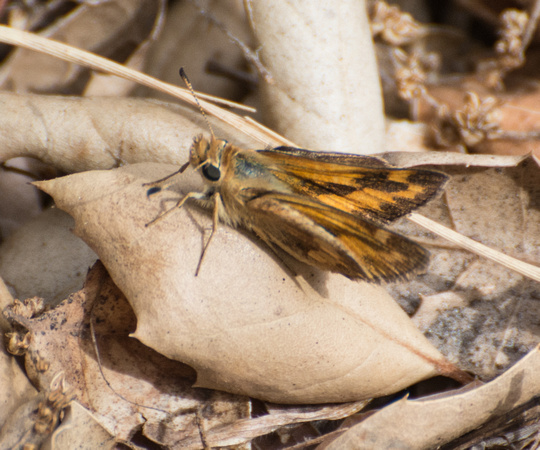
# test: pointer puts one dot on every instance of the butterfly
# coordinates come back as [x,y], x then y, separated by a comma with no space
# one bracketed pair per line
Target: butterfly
[324,209]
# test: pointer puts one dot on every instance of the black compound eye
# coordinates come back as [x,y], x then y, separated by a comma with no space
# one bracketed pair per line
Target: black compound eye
[211,172]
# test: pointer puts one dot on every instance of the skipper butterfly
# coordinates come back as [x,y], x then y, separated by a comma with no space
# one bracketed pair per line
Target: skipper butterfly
[324,209]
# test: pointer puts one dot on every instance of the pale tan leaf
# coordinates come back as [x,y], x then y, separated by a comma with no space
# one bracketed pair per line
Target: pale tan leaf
[115,377]
[75,134]
[31,249]
[244,324]
[429,423]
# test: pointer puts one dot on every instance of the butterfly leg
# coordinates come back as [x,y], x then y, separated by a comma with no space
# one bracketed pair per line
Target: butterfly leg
[217,202]
[160,184]
[179,204]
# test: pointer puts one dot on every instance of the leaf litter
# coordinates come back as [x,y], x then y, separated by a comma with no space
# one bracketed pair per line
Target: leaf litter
[458,288]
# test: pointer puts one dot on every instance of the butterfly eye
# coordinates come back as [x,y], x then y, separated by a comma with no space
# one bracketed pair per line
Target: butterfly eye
[211,172]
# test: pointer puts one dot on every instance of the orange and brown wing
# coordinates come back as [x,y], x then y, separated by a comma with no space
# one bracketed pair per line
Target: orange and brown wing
[333,240]
[360,185]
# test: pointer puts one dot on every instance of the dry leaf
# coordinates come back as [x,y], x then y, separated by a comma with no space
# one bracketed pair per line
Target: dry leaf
[76,134]
[125,384]
[31,249]
[428,423]
[244,324]
[326,93]
[280,416]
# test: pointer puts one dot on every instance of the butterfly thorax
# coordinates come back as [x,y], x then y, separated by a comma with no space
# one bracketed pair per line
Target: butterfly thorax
[238,175]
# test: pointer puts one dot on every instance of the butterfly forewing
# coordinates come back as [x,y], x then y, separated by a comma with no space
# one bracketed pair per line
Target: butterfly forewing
[360,185]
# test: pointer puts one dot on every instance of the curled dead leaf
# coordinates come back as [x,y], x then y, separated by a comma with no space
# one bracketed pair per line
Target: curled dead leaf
[429,423]
[244,324]
[75,134]
[326,93]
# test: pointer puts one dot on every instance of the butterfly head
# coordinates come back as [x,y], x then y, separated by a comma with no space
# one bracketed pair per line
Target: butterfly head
[205,156]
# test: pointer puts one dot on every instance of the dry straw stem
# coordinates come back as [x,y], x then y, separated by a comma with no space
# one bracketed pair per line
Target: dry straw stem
[521,267]
[66,52]
[34,42]
[37,43]
[532,24]
[107,28]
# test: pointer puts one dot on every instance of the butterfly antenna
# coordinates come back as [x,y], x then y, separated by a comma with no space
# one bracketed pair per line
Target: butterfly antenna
[190,87]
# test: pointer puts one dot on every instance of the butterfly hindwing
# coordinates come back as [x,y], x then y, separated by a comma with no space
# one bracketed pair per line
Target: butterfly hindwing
[332,240]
